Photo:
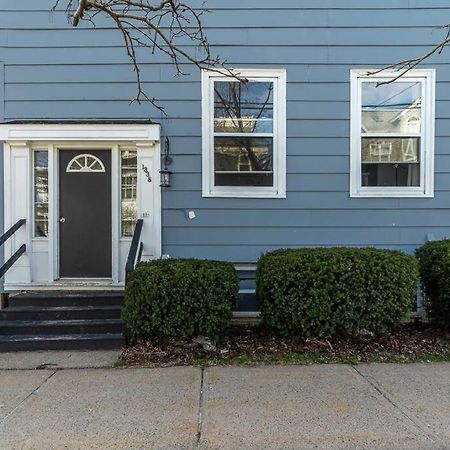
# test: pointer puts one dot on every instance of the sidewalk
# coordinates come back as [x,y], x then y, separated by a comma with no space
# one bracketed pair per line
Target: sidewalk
[267,407]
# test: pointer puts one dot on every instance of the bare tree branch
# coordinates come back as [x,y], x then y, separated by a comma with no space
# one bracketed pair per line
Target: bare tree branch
[403,67]
[171,27]
[79,13]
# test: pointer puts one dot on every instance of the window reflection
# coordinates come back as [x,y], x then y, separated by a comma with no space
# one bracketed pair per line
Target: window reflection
[242,109]
[242,161]
[128,191]
[393,111]
[391,108]
[40,193]
[390,149]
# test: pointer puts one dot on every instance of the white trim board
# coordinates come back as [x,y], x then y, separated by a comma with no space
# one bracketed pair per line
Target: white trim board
[80,132]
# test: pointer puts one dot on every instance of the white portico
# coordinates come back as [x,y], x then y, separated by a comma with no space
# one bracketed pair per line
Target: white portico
[80,187]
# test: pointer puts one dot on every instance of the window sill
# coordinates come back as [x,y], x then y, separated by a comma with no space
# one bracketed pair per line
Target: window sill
[391,194]
[228,194]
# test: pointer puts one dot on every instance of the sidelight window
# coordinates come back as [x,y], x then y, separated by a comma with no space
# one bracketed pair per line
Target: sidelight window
[40,171]
[244,134]
[128,191]
[392,139]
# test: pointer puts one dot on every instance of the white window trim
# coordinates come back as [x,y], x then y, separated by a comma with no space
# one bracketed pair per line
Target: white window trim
[426,188]
[278,77]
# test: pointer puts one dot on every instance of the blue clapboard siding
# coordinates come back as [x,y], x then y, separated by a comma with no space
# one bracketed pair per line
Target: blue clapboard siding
[53,71]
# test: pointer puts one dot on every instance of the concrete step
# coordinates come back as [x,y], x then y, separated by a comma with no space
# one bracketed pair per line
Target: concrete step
[46,327]
[67,298]
[62,342]
[61,312]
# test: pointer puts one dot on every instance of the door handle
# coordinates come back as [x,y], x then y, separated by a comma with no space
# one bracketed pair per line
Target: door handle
[62,220]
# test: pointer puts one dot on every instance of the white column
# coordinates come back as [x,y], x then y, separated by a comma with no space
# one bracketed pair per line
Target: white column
[18,206]
[149,198]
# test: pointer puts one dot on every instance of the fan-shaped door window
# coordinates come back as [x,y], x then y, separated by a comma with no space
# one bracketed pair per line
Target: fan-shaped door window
[85,163]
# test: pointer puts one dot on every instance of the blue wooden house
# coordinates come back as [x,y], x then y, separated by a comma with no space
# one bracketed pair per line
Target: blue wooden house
[310,151]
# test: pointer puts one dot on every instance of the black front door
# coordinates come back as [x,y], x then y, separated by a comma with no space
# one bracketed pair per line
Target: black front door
[85,236]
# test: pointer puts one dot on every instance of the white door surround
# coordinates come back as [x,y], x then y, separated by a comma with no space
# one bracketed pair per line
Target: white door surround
[38,268]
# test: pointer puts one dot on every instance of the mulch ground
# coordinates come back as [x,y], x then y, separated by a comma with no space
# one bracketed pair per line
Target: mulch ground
[251,345]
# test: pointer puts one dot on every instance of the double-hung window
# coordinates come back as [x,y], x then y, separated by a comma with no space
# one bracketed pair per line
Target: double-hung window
[244,134]
[392,134]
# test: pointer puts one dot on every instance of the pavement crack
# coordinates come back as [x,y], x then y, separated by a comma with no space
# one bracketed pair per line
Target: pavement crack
[200,407]
[395,405]
[45,380]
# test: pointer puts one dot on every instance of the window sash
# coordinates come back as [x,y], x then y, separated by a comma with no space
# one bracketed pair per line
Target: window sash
[395,134]
[231,134]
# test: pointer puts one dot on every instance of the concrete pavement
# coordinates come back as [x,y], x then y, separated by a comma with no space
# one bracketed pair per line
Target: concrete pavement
[59,359]
[266,407]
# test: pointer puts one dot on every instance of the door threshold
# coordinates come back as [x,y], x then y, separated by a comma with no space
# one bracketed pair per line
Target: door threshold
[84,280]
[84,283]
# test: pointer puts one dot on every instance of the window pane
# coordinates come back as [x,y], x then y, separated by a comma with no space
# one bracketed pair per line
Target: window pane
[390,149]
[41,194]
[243,161]
[391,108]
[243,107]
[388,174]
[128,191]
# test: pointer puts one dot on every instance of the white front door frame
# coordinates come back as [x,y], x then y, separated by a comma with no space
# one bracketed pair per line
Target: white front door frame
[28,271]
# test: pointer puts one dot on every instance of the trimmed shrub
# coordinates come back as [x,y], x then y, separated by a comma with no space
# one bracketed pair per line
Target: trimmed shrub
[312,292]
[434,263]
[180,298]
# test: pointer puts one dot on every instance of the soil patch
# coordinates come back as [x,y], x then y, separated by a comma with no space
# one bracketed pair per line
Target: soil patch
[254,345]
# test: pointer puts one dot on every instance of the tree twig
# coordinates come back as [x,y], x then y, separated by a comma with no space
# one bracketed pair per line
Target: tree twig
[403,67]
[170,27]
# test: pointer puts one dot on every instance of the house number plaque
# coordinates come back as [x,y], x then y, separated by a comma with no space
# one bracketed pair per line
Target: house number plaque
[147,173]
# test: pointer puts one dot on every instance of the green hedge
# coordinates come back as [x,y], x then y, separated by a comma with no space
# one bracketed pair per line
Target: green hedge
[434,262]
[324,291]
[180,298]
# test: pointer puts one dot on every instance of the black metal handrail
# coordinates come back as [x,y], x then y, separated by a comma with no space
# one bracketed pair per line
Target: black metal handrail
[12,260]
[18,253]
[11,231]
[136,248]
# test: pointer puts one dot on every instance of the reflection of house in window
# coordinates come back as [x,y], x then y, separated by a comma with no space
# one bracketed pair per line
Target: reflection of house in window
[392,112]
[243,161]
[413,123]
[381,150]
[231,124]
[409,150]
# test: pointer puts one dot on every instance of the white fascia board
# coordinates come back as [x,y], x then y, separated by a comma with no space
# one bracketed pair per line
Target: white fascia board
[80,132]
